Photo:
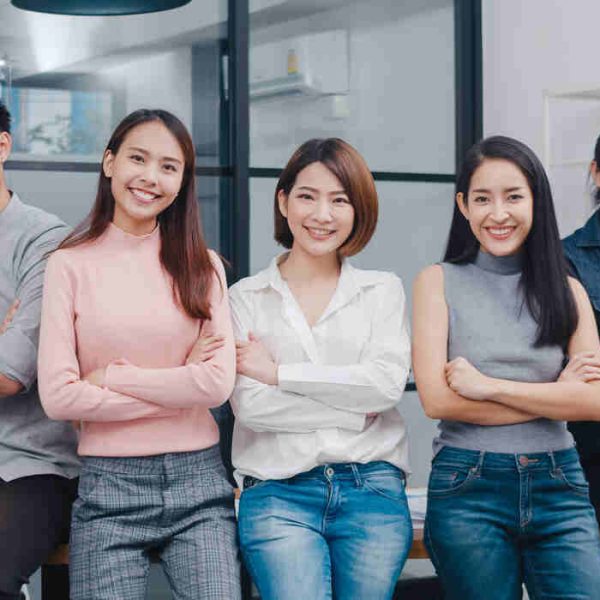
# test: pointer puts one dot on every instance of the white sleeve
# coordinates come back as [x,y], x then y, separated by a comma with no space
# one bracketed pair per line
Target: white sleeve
[376,382]
[263,407]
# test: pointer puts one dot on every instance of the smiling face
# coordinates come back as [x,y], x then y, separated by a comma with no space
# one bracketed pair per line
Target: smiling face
[318,211]
[145,174]
[499,206]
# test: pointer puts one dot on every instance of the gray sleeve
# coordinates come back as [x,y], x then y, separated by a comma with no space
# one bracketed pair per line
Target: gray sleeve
[18,344]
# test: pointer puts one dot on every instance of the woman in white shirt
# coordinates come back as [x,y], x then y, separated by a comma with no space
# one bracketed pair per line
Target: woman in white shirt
[323,356]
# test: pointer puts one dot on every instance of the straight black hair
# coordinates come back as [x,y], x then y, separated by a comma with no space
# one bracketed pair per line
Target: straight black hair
[596,193]
[544,277]
[4,118]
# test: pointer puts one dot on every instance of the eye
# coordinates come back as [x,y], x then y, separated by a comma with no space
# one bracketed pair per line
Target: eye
[515,197]
[479,199]
[341,200]
[305,196]
[170,167]
[137,158]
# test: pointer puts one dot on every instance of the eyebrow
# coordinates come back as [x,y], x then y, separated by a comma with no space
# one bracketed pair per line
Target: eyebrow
[312,189]
[485,191]
[142,151]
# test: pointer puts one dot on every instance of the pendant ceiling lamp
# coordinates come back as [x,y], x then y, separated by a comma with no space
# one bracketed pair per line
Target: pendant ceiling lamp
[102,8]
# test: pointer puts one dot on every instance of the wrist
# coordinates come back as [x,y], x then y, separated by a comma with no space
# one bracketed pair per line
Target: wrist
[497,389]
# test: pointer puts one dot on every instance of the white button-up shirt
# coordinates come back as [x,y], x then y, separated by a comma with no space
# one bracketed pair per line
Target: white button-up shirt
[354,361]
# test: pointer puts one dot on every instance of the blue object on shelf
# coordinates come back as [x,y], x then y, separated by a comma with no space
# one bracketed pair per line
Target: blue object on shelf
[102,8]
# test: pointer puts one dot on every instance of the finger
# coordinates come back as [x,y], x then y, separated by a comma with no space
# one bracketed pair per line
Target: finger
[207,356]
[214,345]
[252,337]
[241,344]
[591,377]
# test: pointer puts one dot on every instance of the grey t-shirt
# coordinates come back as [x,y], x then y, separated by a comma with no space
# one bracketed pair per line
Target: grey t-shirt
[490,325]
[30,443]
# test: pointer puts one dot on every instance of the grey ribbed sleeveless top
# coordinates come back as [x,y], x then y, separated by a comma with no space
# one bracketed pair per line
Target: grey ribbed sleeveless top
[490,325]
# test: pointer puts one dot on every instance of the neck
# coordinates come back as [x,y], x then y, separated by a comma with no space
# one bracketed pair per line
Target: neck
[302,267]
[133,227]
[4,194]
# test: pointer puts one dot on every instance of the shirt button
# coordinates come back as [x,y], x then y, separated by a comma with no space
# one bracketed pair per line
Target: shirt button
[329,472]
[523,461]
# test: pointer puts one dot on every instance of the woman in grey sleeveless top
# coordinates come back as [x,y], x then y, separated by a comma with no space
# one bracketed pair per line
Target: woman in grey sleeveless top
[494,325]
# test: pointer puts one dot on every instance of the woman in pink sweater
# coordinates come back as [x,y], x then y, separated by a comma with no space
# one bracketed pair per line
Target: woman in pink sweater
[136,346]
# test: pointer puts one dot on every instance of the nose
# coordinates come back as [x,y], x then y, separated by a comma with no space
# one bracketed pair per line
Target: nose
[499,212]
[150,173]
[323,210]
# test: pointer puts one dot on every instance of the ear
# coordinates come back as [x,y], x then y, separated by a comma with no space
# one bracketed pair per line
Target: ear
[5,146]
[107,163]
[461,202]
[282,200]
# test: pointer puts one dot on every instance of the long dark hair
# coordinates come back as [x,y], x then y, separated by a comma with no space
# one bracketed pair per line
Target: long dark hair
[596,191]
[183,252]
[544,277]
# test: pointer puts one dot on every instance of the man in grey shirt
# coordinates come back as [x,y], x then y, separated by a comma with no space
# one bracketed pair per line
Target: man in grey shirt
[38,460]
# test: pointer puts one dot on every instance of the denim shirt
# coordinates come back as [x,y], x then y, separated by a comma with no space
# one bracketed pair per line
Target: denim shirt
[582,250]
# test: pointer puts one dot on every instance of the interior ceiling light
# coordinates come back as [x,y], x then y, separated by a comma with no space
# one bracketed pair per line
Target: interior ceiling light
[98,7]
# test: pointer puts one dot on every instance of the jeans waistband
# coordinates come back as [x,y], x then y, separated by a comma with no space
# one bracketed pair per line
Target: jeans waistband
[449,455]
[170,463]
[337,471]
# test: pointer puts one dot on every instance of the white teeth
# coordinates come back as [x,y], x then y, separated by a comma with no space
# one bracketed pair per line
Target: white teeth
[320,231]
[143,195]
[500,230]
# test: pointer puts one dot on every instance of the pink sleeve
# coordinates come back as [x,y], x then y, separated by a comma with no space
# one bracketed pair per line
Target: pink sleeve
[207,384]
[64,395]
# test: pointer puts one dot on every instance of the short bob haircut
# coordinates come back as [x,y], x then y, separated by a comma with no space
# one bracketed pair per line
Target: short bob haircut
[356,179]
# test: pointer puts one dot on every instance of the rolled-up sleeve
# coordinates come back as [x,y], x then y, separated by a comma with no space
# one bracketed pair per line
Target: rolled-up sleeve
[377,382]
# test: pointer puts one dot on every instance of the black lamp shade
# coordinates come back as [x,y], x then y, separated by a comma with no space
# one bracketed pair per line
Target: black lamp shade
[98,7]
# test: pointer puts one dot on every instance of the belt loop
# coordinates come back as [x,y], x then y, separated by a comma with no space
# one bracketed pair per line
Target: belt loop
[553,461]
[356,473]
[479,466]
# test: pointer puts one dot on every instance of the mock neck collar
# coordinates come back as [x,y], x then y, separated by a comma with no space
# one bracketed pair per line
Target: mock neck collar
[502,265]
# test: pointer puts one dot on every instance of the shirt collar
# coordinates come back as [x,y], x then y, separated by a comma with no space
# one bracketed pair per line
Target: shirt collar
[589,234]
[351,282]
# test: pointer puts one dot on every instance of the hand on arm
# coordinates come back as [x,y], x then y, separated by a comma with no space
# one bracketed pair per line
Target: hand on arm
[255,361]
[430,358]
[8,386]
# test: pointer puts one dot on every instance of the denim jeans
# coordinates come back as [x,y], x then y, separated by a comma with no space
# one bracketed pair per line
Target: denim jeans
[496,521]
[338,531]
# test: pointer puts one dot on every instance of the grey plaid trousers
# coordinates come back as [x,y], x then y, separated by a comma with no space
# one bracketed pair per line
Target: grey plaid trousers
[178,506]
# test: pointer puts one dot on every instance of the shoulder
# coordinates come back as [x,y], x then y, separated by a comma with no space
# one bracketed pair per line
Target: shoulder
[430,277]
[40,227]
[217,262]
[377,280]
[577,288]
[254,283]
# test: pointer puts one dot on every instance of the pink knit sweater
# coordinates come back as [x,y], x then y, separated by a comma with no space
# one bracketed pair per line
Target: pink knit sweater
[110,304]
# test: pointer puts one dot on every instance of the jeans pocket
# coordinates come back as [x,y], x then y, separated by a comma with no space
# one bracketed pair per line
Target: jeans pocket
[573,477]
[449,479]
[390,485]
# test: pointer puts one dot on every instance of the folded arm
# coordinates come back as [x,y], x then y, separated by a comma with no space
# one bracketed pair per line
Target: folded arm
[198,383]
[263,407]
[574,400]
[376,383]
[63,392]
[430,355]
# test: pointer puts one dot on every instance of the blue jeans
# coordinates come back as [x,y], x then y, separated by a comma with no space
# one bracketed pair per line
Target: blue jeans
[496,521]
[338,531]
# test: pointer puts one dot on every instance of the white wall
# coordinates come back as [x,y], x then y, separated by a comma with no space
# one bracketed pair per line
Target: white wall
[531,47]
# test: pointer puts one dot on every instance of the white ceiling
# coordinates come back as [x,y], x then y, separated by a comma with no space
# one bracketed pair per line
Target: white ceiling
[37,43]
